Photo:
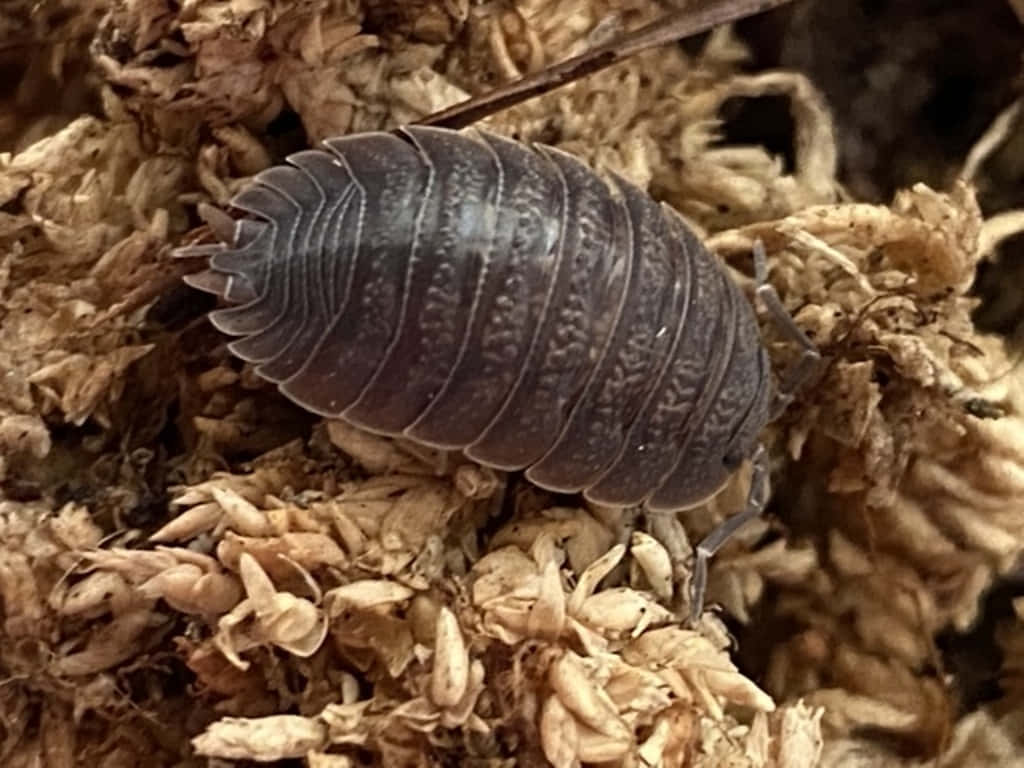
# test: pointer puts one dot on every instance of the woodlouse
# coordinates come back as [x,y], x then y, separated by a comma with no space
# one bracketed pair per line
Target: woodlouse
[469,292]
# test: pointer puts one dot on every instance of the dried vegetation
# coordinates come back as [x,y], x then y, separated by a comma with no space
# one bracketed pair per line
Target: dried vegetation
[192,570]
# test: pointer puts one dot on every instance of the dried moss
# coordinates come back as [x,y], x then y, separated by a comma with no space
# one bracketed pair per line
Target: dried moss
[190,568]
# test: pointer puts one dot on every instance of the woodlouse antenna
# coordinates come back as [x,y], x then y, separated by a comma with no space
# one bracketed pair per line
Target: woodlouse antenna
[809,361]
[792,380]
[757,498]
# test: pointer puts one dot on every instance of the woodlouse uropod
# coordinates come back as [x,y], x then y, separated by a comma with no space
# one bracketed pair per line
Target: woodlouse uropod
[469,292]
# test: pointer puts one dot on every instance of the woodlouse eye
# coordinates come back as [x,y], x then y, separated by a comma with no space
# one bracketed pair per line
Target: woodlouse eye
[733,459]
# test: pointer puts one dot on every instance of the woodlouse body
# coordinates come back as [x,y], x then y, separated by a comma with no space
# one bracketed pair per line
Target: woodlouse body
[468,292]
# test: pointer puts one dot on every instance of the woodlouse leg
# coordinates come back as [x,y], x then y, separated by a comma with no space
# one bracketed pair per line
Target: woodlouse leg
[757,498]
[802,370]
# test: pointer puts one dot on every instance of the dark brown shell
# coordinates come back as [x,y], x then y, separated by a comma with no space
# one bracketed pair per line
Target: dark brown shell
[469,292]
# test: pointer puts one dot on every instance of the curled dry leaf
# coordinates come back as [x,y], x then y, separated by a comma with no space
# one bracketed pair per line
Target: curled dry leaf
[376,455]
[450,675]
[309,550]
[559,734]
[94,595]
[623,610]
[264,739]
[278,618]
[190,582]
[123,638]
[655,562]
[588,702]
[191,590]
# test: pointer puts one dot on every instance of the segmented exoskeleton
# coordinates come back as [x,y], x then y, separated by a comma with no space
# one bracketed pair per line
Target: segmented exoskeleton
[470,292]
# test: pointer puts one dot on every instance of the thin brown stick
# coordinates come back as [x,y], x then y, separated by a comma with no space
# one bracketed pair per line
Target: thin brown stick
[670,28]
